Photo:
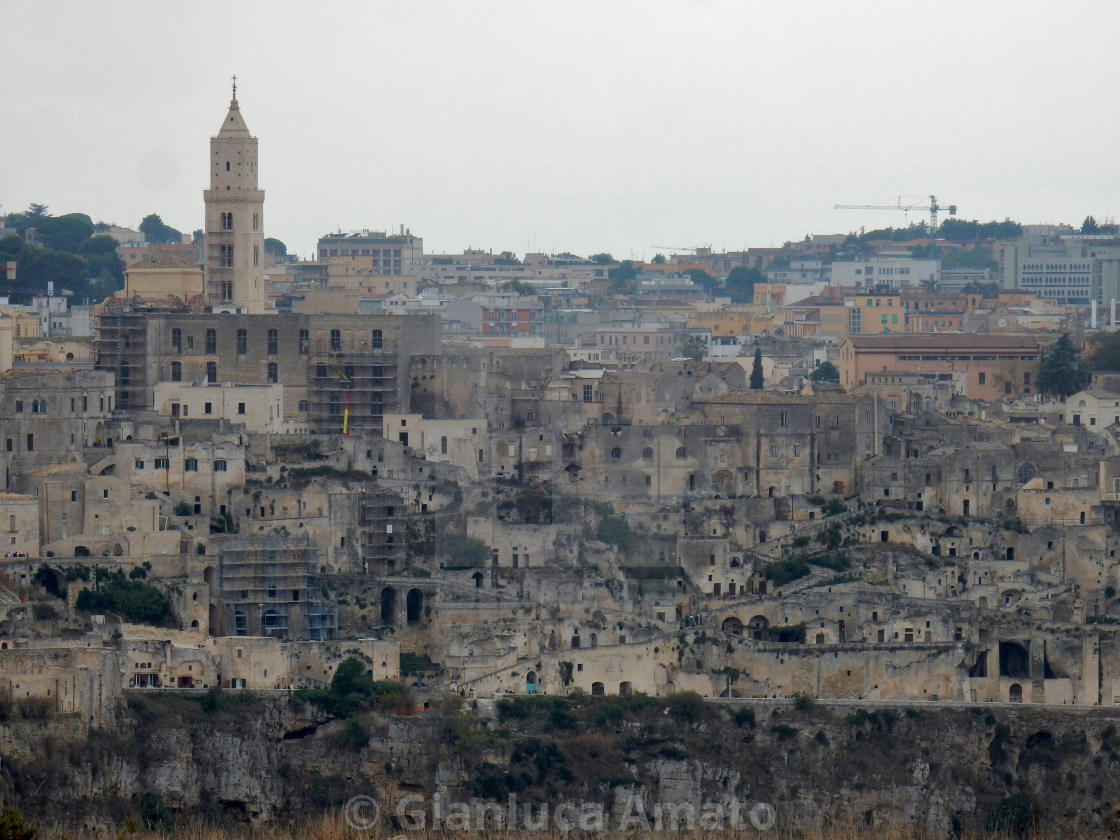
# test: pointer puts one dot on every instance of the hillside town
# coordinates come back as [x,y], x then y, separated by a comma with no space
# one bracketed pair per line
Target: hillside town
[851,467]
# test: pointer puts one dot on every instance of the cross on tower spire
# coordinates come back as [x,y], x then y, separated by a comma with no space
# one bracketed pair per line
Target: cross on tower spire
[235,86]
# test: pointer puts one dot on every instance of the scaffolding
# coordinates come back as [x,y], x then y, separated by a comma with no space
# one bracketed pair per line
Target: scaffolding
[351,385]
[120,343]
[273,587]
[382,523]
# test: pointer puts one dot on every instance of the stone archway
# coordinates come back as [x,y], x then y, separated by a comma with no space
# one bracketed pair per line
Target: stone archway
[414,606]
[389,606]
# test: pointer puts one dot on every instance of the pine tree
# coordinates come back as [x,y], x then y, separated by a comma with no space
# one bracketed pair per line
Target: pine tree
[756,371]
[1060,372]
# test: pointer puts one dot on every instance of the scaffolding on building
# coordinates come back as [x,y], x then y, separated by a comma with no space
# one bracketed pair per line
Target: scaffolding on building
[120,342]
[272,586]
[382,523]
[352,384]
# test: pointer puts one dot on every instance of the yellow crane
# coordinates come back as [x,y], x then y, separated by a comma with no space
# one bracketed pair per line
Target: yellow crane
[929,204]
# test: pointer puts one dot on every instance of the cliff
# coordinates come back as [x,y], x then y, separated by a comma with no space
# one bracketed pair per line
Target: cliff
[248,758]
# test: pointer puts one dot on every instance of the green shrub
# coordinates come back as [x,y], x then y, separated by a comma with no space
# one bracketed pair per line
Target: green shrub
[13,827]
[803,702]
[135,601]
[744,716]
[687,706]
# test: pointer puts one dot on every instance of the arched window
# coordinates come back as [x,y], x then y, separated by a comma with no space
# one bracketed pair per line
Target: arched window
[647,453]
[227,219]
[616,453]
[376,340]
[681,453]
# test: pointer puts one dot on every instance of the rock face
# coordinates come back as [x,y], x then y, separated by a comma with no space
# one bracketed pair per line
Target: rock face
[260,760]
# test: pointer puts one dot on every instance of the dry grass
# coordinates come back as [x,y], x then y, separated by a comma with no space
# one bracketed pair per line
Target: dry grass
[335,828]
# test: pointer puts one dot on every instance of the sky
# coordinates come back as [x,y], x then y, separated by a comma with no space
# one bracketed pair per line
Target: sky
[627,126]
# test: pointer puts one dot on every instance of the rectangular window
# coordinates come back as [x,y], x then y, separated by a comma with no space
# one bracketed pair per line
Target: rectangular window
[211,342]
[443,445]
[981,378]
[220,466]
[304,340]
[225,256]
[177,340]
[190,465]
[273,342]
[207,408]
[162,463]
[588,392]
[242,342]
[241,408]
[31,443]
[138,464]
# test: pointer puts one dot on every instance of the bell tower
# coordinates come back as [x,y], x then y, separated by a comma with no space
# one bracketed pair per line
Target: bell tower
[234,219]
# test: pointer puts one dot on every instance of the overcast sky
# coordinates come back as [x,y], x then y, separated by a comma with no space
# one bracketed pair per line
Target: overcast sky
[567,125]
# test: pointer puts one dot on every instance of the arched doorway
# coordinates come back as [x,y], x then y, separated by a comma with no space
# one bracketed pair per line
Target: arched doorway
[477,577]
[1015,694]
[625,688]
[210,578]
[52,580]
[733,626]
[598,689]
[759,625]
[414,606]
[389,606]
[531,682]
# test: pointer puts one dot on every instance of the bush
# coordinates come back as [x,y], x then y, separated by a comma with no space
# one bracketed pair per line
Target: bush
[13,827]
[687,706]
[353,735]
[469,553]
[354,690]
[135,601]
[803,702]
[616,531]
[744,716]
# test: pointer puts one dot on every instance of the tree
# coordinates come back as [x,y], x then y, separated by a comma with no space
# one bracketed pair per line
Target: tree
[1090,225]
[757,380]
[602,259]
[741,282]
[827,372]
[695,347]
[65,233]
[658,259]
[1104,352]
[702,278]
[1060,372]
[157,232]
[622,277]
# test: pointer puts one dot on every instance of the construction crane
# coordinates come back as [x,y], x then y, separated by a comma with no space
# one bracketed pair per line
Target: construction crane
[931,205]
